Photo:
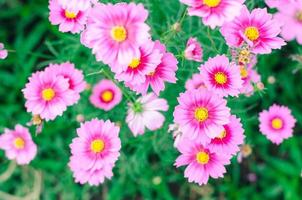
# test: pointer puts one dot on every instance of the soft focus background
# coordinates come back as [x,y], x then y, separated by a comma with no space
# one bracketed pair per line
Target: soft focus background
[145,168]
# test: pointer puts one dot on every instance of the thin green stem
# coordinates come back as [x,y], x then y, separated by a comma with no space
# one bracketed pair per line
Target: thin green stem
[211,40]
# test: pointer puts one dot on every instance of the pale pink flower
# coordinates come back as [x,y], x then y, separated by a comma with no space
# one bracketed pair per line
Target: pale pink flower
[221,76]
[196,82]
[202,162]
[48,95]
[214,12]
[75,77]
[228,141]
[290,14]
[18,145]
[105,95]
[3,51]
[201,115]
[114,32]
[258,29]
[193,50]
[142,64]
[164,72]
[71,16]
[144,113]
[278,3]
[94,151]
[277,123]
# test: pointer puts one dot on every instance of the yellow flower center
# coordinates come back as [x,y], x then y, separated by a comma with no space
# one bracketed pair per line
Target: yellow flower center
[97,146]
[211,3]
[119,33]
[202,157]
[243,72]
[70,15]
[19,143]
[252,33]
[201,114]
[134,63]
[277,123]
[48,94]
[221,78]
[222,135]
[107,96]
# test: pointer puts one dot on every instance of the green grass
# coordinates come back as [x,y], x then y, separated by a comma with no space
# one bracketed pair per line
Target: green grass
[145,168]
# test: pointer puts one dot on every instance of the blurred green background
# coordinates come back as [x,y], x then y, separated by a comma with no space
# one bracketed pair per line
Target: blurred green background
[145,168]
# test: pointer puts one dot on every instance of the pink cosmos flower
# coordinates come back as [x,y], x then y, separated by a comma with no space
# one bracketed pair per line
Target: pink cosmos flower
[75,77]
[277,3]
[193,50]
[18,145]
[196,82]
[69,15]
[290,14]
[106,95]
[250,77]
[48,95]
[145,63]
[277,123]
[203,162]
[257,29]
[201,115]
[115,32]
[145,113]
[94,151]
[164,72]
[3,52]
[228,141]
[214,12]
[221,77]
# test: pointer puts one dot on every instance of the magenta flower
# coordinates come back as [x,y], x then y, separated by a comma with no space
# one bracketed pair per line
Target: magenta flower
[277,123]
[260,33]
[203,162]
[144,63]
[144,113]
[165,71]
[221,77]
[3,52]
[94,151]
[18,145]
[214,12]
[196,82]
[201,115]
[71,16]
[290,14]
[228,141]
[193,50]
[114,32]
[48,95]
[75,77]
[106,95]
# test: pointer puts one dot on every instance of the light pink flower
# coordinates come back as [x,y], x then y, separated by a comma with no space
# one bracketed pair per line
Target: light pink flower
[48,95]
[196,82]
[18,145]
[193,50]
[75,77]
[164,72]
[257,29]
[221,77]
[278,3]
[277,123]
[142,64]
[3,52]
[114,32]
[290,14]
[214,12]
[71,16]
[94,151]
[201,115]
[202,162]
[144,113]
[228,141]
[106,95]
